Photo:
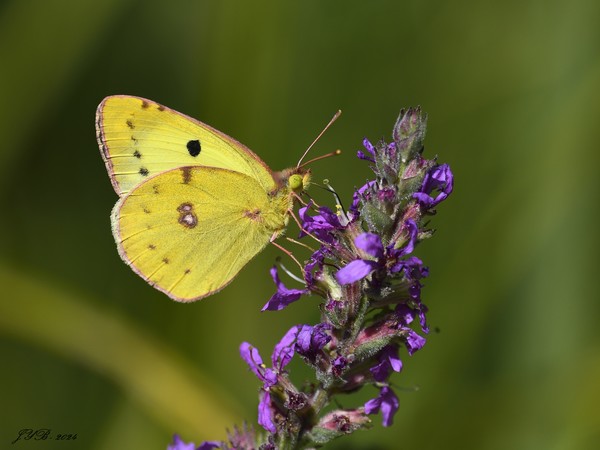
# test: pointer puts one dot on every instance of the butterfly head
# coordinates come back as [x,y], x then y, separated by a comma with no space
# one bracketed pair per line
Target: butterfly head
[296,179]
[299,182]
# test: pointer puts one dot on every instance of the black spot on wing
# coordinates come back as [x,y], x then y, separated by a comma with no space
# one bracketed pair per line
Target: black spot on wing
[137,154]
[144,172]
[194,147]
[130,124]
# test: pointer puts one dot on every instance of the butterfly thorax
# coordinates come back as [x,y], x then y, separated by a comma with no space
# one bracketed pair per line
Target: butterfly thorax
[290,183]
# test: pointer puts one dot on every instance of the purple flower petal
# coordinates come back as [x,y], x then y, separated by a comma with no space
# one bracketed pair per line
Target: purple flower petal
[386,194]
[252,357]
[355,270]
[209,445]
[426,201]
[388,361]
[387,402]
[317,260]
[311,340]
[414,342]
[440,179]
[178,444]
[389,406]
[265,413]
[423,318]
[339,365]
[390,355]
[284,350]
[284,296]
[404,314]
[370,243]
[360,193]
[322,224]
[361,155]
[368,146]
[391,150]
[413,232]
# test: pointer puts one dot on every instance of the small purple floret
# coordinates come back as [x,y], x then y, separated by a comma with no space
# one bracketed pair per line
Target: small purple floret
[387,402]
[252,357]
[388,362]
[440,179]
[311,339]
[284,296]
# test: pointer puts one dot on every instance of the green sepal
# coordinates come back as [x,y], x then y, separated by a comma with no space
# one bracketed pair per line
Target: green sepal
[376,219]
[321,436]
[372,346]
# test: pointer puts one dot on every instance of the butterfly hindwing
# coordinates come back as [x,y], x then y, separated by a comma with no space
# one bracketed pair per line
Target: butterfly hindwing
[139,138]
[190,230]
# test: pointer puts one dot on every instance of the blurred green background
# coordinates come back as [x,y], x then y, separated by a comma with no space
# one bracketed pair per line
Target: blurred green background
[512,90]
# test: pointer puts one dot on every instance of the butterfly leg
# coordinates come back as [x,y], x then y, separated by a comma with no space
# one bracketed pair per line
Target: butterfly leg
[284,250]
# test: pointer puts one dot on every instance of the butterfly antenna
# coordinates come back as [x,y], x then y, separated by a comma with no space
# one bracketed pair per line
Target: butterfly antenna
[333,119]
[335,153]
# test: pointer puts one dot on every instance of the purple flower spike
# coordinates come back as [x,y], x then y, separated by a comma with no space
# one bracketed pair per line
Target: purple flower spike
[178,444]
[284,296]
[369,286]
[387,402]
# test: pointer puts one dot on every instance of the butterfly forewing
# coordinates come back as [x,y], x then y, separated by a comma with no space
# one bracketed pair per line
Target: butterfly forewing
[140,138]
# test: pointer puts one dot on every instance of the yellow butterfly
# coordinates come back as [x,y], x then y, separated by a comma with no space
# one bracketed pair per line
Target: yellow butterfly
[195,205]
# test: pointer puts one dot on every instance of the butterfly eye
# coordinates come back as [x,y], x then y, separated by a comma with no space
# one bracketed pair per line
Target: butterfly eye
[296,183]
